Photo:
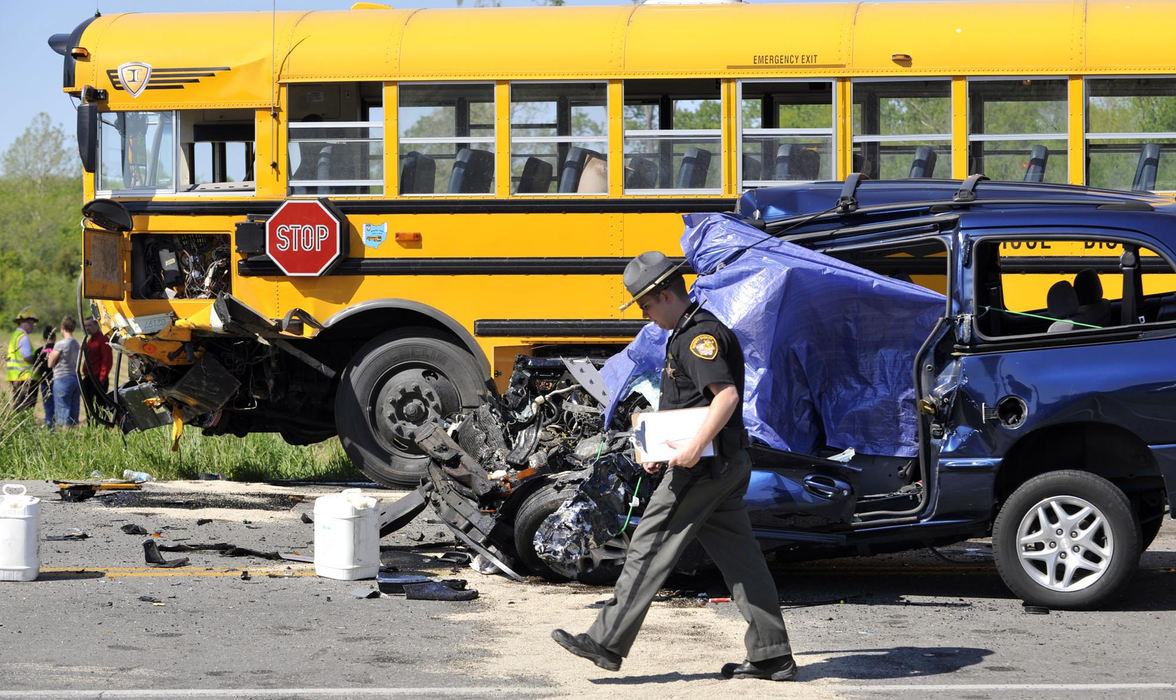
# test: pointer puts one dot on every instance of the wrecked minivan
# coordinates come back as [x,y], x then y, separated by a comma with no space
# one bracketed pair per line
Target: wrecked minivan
[926,362]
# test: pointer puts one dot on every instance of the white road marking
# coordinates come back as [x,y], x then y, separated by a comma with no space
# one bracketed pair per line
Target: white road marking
[996,687]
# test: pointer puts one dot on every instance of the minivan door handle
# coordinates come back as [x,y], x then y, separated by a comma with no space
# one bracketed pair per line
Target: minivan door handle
[824,487]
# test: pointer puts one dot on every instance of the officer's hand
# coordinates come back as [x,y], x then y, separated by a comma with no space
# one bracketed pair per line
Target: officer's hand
[687,454]
[652,467]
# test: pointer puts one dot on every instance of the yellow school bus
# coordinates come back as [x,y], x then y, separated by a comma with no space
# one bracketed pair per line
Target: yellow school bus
[347,222]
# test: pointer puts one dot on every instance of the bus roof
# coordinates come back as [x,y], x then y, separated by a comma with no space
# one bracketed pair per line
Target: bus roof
[229,59]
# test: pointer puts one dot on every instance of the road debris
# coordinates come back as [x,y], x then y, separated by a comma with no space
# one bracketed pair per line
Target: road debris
[446,589]
[77,491]
[73,534]
[154,558]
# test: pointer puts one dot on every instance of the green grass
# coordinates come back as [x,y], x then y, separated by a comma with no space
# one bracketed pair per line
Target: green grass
[29,451]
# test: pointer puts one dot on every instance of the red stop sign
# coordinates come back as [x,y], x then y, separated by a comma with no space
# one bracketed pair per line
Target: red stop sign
[304,238]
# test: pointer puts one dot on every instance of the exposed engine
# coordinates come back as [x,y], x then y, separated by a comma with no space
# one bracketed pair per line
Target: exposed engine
[491,466]
[189,266]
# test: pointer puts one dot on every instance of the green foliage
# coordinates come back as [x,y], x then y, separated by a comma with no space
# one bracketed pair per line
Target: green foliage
[40,241]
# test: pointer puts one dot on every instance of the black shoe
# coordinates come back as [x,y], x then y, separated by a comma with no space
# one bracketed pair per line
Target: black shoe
[781,668]
[585,646]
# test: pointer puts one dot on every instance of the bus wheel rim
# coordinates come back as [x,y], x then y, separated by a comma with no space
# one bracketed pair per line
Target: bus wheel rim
[409,398]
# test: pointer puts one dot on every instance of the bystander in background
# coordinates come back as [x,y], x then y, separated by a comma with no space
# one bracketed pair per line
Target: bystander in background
[43,375]
[64,361]
[20,361]
[98,360]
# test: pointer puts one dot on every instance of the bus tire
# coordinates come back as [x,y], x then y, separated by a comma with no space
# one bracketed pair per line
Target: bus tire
[398,379]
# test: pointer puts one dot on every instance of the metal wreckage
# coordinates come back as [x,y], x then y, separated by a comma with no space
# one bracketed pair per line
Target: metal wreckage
[535,478]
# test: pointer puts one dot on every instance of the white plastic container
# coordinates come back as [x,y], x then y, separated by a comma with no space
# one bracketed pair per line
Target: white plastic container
[20,541]
[346,536]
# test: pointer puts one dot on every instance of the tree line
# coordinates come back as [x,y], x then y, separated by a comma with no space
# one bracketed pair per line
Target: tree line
[40,212]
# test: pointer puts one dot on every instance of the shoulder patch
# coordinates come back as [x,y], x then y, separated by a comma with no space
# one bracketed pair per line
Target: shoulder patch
[705,346]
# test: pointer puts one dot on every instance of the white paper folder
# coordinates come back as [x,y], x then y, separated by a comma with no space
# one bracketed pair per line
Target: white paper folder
[653,430]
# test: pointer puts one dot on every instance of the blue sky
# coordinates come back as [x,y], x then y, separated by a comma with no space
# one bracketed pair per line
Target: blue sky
[25,27]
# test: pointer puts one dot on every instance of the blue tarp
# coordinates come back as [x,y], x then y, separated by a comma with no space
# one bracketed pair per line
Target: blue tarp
[829,347]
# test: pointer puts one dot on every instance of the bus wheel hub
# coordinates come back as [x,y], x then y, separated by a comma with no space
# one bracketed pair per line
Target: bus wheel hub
[407,400]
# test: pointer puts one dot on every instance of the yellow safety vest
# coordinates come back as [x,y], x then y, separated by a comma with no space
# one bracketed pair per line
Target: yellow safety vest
[19,369]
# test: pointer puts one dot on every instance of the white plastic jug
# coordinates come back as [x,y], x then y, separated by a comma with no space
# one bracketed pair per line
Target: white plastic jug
[20,541]
[346,536]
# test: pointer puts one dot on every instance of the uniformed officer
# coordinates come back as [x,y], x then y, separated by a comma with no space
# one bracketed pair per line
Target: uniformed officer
[697,497]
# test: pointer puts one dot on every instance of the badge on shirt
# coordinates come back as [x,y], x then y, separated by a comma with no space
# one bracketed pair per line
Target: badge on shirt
[705,346]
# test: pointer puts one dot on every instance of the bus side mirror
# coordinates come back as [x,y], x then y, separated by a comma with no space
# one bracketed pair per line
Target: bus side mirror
[88,135]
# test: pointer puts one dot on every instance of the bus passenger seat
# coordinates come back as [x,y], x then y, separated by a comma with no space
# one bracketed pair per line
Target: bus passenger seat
[784,162]
[1061,302]
[573,168]
[692,171]
[806,164]
[1145,171]
[641,174]
[473,172]
[1035,168]
[752,170]
[924,163]
[594,175]
[536,176]
[1092,307]
[417,174]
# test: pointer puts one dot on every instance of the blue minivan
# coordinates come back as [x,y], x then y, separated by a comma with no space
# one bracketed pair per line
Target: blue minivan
[1036,403]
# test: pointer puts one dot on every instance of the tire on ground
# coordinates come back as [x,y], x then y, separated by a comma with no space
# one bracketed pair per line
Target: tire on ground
[1033,558]
[534,510]
[401,377]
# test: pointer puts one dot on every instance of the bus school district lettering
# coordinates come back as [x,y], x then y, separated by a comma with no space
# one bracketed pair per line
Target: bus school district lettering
[1047,245]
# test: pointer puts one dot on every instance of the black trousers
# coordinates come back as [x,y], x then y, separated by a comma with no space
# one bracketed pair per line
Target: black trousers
[693,503]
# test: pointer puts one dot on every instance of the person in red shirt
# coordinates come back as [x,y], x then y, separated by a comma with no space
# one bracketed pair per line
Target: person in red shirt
[98,358]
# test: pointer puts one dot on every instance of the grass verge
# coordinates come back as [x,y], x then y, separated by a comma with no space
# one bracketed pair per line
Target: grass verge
[30,451]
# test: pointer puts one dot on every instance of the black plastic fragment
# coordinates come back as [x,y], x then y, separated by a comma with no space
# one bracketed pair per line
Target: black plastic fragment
[449,590]
[154,558]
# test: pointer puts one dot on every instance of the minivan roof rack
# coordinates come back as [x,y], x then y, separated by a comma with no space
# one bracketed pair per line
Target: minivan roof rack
[964,197]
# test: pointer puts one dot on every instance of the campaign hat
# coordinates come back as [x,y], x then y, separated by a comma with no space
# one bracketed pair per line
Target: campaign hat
[645,273]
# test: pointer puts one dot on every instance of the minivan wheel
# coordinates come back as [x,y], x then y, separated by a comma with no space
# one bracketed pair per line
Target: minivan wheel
[1066,539]
[534,510]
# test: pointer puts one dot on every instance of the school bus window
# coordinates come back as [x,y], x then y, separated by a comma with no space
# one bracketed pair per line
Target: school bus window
[1131,133]
[216,150]
[902,128]
[787,132]
[558,138]
[446,138]
[336,139]
[136,151]
[1017,129]
[672,135]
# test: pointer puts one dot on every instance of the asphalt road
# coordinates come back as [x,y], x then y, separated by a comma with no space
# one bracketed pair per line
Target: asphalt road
[920,624]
